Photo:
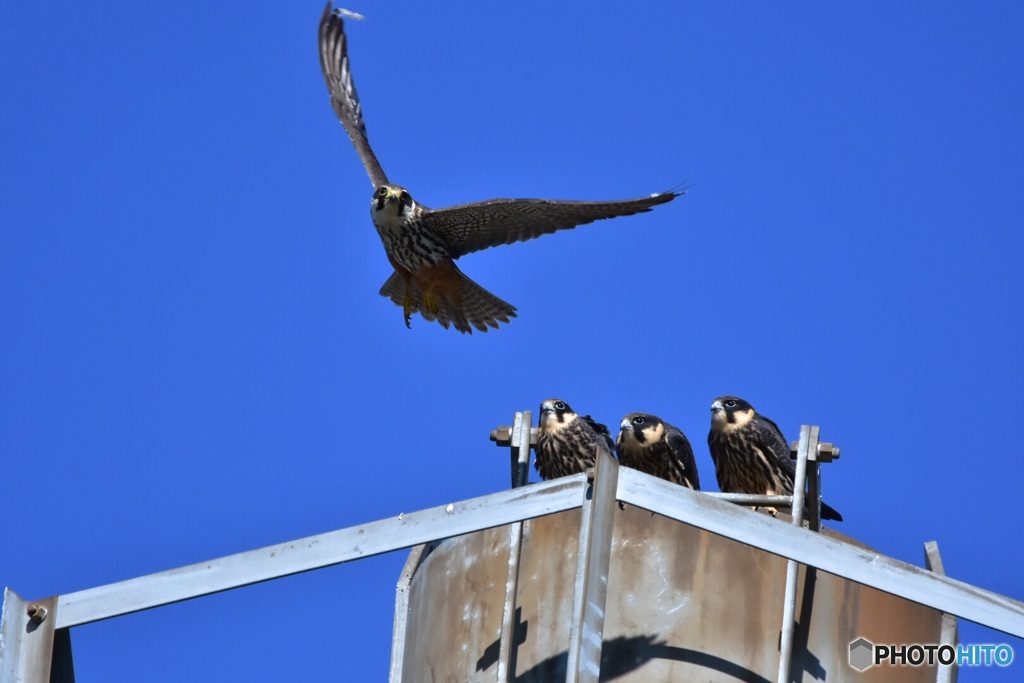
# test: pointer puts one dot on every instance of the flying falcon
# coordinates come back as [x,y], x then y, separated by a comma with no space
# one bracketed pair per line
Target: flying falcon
[653,446]
[567,443]
[751,455]
[422,244]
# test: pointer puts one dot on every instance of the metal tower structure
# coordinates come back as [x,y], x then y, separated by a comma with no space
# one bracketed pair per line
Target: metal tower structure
[35,640]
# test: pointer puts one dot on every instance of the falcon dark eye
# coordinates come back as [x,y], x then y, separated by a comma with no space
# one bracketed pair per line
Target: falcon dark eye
[559,405]
[638,421]
[405,198]
[730,403]
[382,191]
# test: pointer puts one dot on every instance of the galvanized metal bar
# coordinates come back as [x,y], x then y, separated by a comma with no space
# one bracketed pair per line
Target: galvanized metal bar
[506,642]
[593,560]
[521,433]
[754,500]
[808,444]
[579,588]
[520,475]
[944,673]
[415,559]
[314,552]
[520,440]
[808,441]
[817,550]
[26,638]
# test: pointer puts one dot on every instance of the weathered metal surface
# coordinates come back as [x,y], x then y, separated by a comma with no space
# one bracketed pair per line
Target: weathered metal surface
[519,437]
[416,557]
[521,441]
[682,604]
[314,552]
[462,609]
[508,610]
[844,559]
[808,443]
[947,673]
[27,639]
[590,587]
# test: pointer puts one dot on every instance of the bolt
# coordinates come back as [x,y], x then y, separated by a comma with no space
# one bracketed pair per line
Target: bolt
[502,436]
[36,613]
[828,452]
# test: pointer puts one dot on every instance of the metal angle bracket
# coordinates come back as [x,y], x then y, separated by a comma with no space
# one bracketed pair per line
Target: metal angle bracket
[31,649]
[808,444]
[591,588]
[416,557]
[944,673]
[520,437]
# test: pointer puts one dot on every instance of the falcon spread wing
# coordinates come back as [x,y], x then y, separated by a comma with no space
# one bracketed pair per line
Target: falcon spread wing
[471,227]
[344,100]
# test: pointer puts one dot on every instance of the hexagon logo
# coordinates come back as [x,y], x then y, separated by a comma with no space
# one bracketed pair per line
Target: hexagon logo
[862,654]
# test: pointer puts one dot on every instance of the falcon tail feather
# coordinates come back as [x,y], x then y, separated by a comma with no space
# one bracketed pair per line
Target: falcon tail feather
[461,303]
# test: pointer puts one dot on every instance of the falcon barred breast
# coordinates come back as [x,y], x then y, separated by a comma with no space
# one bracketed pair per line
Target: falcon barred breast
[751,455]
[422,244]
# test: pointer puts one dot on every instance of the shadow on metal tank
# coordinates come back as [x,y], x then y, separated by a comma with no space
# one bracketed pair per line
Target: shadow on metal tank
[683,605]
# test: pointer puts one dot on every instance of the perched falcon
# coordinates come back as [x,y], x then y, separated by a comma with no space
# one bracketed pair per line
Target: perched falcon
[751,455]
[568,443]
[651,445]
[422,244]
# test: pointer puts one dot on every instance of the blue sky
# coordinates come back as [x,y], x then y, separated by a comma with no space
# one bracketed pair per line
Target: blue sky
[194,360]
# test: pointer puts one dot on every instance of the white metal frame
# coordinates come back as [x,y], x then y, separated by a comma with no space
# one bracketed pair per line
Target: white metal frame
[35,642]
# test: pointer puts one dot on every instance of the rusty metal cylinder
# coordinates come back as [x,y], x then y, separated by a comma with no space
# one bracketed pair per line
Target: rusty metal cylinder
[683,605]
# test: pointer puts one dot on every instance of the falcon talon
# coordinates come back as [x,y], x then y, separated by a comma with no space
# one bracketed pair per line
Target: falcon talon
[422,244]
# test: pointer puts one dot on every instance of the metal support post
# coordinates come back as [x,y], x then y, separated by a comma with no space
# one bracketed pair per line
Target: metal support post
[825,452]
[808,444]
[521,432]
[31,649]
[416,557]
[944,673]
[519,437]
[591,591]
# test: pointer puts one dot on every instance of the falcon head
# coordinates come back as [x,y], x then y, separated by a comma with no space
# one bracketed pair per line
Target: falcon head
[729,413]
[640,430]
[555,414]
[391,204]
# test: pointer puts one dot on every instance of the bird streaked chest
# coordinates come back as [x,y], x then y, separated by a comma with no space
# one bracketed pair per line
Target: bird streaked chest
[655,459]
[745,465]
[407,240]
[565,450]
